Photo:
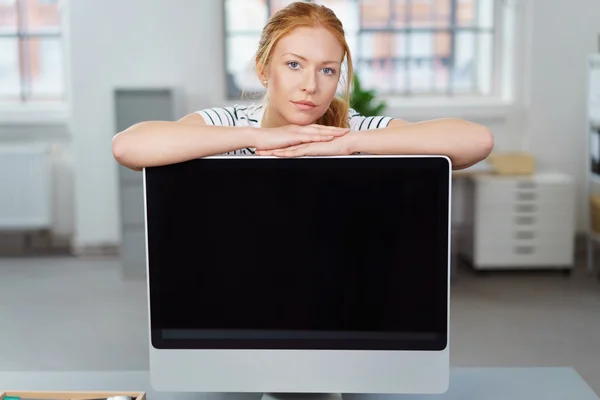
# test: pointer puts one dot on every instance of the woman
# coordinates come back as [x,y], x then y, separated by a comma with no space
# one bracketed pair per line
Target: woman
[299,62]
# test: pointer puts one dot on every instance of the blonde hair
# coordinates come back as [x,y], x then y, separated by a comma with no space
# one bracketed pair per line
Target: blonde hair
[302,14]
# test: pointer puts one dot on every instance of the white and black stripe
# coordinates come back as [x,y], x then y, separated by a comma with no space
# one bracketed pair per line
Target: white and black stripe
[238,115]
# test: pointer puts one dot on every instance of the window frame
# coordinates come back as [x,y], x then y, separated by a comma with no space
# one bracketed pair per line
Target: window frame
[34,112]
[512,35]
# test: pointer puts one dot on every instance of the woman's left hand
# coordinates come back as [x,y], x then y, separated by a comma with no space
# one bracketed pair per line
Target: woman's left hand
[336,147]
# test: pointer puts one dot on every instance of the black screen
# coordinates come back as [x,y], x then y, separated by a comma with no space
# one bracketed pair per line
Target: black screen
[300,253]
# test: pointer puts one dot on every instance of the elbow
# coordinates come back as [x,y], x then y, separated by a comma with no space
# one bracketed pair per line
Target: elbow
[485,142]
[122,152]
[477,146]
[119,149]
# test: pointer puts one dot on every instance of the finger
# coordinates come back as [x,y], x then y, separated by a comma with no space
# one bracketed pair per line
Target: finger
[317,138]
[299,151]
[272,151]
[327,127]
[328,130]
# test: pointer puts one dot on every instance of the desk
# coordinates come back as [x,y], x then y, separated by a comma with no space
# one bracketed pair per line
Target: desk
[465,384]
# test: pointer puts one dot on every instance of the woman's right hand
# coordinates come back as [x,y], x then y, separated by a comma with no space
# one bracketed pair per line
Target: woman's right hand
[292,135]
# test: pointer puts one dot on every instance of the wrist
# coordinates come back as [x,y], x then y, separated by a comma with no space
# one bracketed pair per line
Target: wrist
[248,136]
[353,141]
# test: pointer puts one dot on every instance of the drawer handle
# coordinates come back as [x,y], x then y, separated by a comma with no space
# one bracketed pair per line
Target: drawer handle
[525,235]
[525,220]
[526,185]
[525,208]
[524,249]
[526,196]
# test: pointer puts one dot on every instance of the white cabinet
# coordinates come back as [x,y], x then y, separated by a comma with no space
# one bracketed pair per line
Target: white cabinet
[520,222]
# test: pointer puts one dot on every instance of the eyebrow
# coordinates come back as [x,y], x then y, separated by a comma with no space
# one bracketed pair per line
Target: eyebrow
[304,58]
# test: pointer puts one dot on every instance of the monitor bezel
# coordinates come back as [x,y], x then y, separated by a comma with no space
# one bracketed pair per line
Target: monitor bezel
[440,343]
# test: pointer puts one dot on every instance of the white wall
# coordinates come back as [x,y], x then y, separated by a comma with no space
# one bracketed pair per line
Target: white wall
[135,42]
[564,33]
[131,43]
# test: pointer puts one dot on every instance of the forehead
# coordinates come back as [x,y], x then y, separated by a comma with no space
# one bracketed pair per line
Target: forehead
[315,44]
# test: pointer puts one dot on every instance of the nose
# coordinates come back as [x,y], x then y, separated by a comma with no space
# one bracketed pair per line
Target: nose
[309,84]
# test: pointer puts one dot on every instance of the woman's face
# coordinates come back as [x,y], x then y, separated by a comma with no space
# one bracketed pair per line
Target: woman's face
[303,76]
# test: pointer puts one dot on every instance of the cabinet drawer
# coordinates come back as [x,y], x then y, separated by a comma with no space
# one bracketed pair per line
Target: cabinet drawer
[498,222]
[524,237]
[541,209]
[507,192]
[524,255]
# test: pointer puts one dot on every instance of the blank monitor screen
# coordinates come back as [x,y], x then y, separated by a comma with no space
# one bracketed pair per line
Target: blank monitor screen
[346,253]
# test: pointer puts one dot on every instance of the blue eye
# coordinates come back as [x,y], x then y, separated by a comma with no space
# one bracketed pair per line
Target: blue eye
[329,71]
[293,64]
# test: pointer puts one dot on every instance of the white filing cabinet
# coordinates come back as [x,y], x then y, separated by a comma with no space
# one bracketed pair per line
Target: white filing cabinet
[524,222]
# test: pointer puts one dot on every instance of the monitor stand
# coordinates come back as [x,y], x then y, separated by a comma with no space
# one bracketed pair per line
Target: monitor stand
[302,396]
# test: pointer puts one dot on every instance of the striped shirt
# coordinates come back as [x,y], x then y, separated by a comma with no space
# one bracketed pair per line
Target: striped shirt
[241,115]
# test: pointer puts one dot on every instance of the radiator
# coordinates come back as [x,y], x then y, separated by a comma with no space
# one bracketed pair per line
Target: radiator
[25,187]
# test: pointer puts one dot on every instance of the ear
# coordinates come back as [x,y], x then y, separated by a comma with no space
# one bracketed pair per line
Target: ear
[262,73]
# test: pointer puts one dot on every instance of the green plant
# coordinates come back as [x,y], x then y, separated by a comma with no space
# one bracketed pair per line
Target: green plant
[363,101]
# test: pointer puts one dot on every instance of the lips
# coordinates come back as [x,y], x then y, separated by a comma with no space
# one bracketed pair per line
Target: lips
[304,105]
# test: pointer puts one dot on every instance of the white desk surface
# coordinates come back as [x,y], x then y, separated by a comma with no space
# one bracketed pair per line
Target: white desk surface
[554,383]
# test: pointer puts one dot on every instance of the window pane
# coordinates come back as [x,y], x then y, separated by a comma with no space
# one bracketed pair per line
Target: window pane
[9,69]
[245,15]
[401,18]
[46,68]
[241,50]
[277,5]
[465,14]
[442,13]
[463,73]
[421,75]
[41,16]
[421,45]
[347,12]
[376,45]
[422,13]
[442,62]
[420,66]
[400,45]
[378,75]
[8,16]
[375,13]
[485,62]
[401,77]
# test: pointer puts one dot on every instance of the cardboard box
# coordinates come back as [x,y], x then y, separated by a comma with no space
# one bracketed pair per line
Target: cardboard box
[70,395]
[595,212]
[512,163]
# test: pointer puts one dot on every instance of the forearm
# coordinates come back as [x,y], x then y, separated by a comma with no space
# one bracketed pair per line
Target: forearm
[464,142]
[158,143]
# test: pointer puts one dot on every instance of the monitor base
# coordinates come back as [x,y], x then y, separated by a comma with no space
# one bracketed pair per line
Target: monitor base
[302,396]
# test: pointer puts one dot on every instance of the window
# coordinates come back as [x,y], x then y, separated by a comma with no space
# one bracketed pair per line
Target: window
[31,51]
[399,47]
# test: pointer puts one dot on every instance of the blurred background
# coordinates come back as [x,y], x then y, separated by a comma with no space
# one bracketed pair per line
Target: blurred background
[525,288]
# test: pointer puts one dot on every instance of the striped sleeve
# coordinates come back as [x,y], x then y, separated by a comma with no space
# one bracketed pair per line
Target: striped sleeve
[219,116]
[362,123]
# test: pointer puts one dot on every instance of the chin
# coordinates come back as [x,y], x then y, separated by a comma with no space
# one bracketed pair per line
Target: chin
[302,118]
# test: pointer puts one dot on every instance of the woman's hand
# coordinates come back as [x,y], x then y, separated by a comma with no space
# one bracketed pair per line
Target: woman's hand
[293,135]
[339,146]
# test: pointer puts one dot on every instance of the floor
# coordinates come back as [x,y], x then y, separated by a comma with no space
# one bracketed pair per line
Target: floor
[69,314]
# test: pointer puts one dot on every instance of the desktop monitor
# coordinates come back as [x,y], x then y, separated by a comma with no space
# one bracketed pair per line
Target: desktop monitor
[299,275]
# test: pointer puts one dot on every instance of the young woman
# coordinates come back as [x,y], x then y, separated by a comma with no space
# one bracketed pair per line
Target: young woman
[299,62]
